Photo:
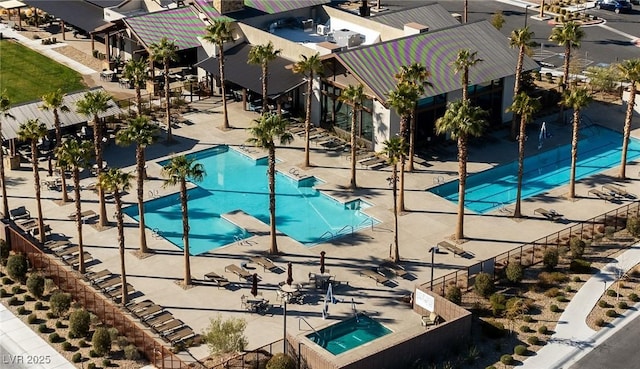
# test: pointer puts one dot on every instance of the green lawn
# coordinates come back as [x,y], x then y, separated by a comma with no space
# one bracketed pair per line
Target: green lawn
[26,75]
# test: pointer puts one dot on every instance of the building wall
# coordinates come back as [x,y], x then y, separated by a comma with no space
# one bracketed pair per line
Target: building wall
[507,97]
[342,17]
[386,123]
[289,50]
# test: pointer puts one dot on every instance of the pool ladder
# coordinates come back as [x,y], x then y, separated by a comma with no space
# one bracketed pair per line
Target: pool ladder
[438,180]
[313,329]
[367,220]
[156,233]
[154,194]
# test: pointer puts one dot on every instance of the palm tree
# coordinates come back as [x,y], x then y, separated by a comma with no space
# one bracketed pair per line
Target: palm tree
[143,133]
[218,33]
[32,130]
[525,107]
[395,148]
[462,120]
[465,60]
[116,182]
[630,71]
[354,96]
[76,154]
[263,133]
[415,74]
[569,36]
[403,99]
[308,66]
[54,101]
[178,171]
[465,12]
[136,72]
[165,51]
[263,55]
[541,8]
[91,105]
[520,38]
[576,99]
[5,105]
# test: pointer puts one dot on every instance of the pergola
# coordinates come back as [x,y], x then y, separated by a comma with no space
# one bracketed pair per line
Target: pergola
[13,4]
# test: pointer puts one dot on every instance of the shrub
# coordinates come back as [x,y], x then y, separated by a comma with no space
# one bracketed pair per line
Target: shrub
[77,357]
[93,353]
[5,250]
[603,304]
[525,329]
[22,310]
[42,328]
[79,323]
[6,280]
[633,226]
[17,267]
[552,292]
[106,363]
[493,329]
[506,359]
[554,308]
[552,278]
[483,285]
[131,352]
[633,297]
[454,294]
[577,247]
[13,301]
[580,266]
[568,289]
[3,292]
[498,304]
[59,324]
[520,350]
[550,259]
[101,341]
[50,315]
[54,337]
[527,319]
[32,318]
[83,343]
[16,290]
[514,272]
[609,231]
[38,305]
[122,342]
[224,336]
[612,293]
[600,322]
[113,333]
[29,298]
[623,305]
[562,298]
[533,340]
[35,285]
[67,346]
[543,329]
[281,361]
[611,313]
[91,366]
[577,279]
[60,303]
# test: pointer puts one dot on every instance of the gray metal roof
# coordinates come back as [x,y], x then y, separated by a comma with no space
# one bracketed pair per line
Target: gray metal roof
[433,16]
[19,114]
[82,14]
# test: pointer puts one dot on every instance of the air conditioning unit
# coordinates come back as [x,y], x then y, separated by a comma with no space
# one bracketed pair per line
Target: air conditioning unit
[322,29]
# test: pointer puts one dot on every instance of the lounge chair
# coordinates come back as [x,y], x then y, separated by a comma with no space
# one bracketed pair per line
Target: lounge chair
[617,191]
[83,215]
[109,283]
[451,247]
[394,269]
[265,263]
[75,259]
[94,277]
[166,328]
[180,335]
[431,319]
[116,293]
[54,244]
[240,272]
[218,280]
[379,278]
[137,306]
[160,319]
[549,214]
[19,213]
[35,231]
[601,195]
[70,250]
[148,312]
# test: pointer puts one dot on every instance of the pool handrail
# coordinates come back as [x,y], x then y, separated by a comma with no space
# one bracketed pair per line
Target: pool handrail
[343,228]
[369,219]
[327,232]
[313,329]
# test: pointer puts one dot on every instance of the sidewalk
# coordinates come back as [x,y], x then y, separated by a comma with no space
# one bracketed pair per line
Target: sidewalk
[573,339]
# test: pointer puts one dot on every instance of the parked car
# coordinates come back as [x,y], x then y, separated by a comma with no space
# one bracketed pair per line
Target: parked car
[635,2]
[617,6]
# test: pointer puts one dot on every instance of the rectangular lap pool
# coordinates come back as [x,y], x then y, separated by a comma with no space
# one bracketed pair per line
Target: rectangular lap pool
[234,181]
[348,334]
[599,149]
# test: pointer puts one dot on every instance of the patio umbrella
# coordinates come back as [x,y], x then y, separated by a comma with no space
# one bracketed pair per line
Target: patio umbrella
[254,285]
[543,135]
[322,262]
[289,273]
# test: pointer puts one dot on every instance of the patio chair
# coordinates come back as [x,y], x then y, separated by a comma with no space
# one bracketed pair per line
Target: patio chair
[83,215]
[379,278]
[431,319]
[137,306]
[19,213]
[265,263]
[169,326]
[451,247]
[549,214]
[394,269]
[109,282]
[54,244]
[601,195]
[148,312]
[218,280]
[116,293]
[180,335]
[617,191]
[240,272]
[94,277]
[159,319]
[75,259]
[70,250]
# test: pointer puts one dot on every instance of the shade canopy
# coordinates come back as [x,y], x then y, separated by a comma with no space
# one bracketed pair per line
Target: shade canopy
[12,4]
[82,14]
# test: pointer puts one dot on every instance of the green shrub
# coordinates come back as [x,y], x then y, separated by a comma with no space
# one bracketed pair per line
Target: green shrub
[29,298]
[67,346]
[22,310]
[633,226]
[60,303]
[483,285]
[91,366]
[38,305]
[101,341]
[525,329]
[491,367]
[514,272]
[506,359]
[35,285]
[612,293]
[281,361]
[16,290]
[13,301]
[533,340]
[17,267]
[611,313]
[600,322]
[609,231]
[42,328]
[577,279]
[3,292]
[50,315]
[32,318]
[520,350]
[623,305]
[551,278]
[492,329]
[77,357]
[577,247]
[106,363]
[454,294]
[122,342]
[113,334]
[633,297]
[498,304]
[7,280]
[603,304]
[54,337]
[59,324]
[5,250]
[553,292]
[131,352]
[562,298]
[83,343]
[554,308]
[93,353]
[543,329]
[79,322]
[527,319]
[550,259]
[580,266]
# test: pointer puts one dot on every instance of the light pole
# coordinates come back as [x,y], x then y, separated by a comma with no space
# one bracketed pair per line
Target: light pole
[526,15]
[284,336]
[433,251]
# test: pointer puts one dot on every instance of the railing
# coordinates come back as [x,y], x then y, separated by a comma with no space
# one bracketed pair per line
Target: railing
[300,318]
[343,228]
[367,220]
[331,235]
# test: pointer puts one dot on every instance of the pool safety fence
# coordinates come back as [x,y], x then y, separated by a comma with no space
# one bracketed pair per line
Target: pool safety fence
[532,253]
[251,359]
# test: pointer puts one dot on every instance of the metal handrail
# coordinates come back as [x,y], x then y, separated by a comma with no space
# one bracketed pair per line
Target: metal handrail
[327,232]
[368,220]
[300,318]
[343,228]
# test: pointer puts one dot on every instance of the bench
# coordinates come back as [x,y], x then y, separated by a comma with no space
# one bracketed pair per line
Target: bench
[451,247]
[379,278]
[218,280]
[601,195]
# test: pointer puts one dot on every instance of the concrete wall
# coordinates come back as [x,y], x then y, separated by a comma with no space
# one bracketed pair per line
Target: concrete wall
[289,50]
[507,97]
[625,100]
[386,123]
[357,23]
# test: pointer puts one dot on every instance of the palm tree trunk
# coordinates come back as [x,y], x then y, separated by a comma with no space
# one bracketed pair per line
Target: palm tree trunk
[462,184]
[167,92]
[272,198]
[307,121]
[565,79]
[517,213]
[224,95]
[140,185]
[396,251]
[403,160]
[56,122]
[36,178]
[185,231]
[412,139]
[5,201]
[63,179]
[574,153]
[516,90]
[97,142]
[541,8]
[119,219]
[466,11]
[353,185]
[627,128]
[139,99]
[76,191]
[265,72]
[465,84]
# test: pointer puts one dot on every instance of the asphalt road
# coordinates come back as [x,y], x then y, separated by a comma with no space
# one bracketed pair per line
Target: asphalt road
[620,351]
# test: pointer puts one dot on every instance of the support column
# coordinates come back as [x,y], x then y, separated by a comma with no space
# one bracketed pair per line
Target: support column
[64,36]
[93,42]
[244,99]
[107,51]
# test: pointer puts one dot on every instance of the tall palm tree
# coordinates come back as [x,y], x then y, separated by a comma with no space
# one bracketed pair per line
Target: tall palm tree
[263,133]
[136,72]
[263,55]
[525,107]
[308,66]
[465,60]
[75,155]
[92,105]
[395,148]
[541,8]
[166,52]
[403,99]
[630,71]
[520,38]
[116,182]
[54,101]
[462,120]
[5,105]
[576,99]
[143,133]
[416,75]
[32,130]
[354,96]
[218,33]
[177,172]
[569,36]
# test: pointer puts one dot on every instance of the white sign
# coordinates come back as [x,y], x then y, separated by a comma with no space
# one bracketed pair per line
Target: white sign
[425,300]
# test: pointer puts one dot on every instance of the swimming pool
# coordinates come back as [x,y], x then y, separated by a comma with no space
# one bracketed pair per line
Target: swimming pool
[348,334]
[599,149]
[234,181]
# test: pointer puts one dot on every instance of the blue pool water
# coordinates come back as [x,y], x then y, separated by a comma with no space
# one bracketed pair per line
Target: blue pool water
[599,149]
[348,334]
[234,181]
